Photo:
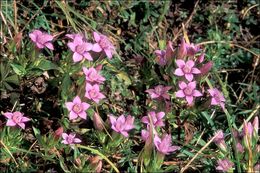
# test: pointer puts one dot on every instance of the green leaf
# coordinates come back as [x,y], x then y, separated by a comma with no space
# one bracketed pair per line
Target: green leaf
[18,69]
[46,65]
[12,79]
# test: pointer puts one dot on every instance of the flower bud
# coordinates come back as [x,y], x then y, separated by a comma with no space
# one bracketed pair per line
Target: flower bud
[201,57]
[206,68]
[98,122]
[58,133]
[182,51]
[256,126]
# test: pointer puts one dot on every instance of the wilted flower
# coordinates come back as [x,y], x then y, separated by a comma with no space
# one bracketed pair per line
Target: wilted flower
[93,76]
[121,124]
[80,48]
[103,43]
[187,49]
[98,122]
[159,92]
[16,118]
[217,97]
[70,139]
[77,108]
[41,39]
[188,91]
[164,145]
[157,118]
[186,69]
[224,165]
[93,93]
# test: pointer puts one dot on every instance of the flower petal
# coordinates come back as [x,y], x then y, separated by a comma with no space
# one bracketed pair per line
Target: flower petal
[179,72]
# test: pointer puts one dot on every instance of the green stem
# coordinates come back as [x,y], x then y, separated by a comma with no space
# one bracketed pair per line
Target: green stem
[100,154]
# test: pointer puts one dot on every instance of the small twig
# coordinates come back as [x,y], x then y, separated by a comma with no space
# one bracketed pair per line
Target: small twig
[248,10]
[196,155]
[4,20]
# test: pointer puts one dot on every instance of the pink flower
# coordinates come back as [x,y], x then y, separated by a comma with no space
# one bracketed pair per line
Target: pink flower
[93,76]
[70,139]
[163,56]
[205,68]
[164,145]
[256,125]
[103,43]
[80,48]
[186,69]
[188,91]
[159,92]
[41,39]
[73,36]
[157,118]
[93,93]
[121,124]
[16,118]
[219,140]
[146,133]
[224,165]
[187,49]
[248,129]
[77,108]
[217,97]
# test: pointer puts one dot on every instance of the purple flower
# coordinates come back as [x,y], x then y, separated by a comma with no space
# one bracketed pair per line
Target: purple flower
[188,91]
[157,118]
[93,76]
[159,92]
[164,145]
[186,69]
[80,48]
[256,125]
[217,97]
[70,139]
[93,93]
[77,108]
[219,137]
[16,118]
[146,133]
[224,165]
[187,49]
[73,36]
[41,39]
[103,43]
[205,68]
[121,124]
[248,129]
[163,56]
[239,148]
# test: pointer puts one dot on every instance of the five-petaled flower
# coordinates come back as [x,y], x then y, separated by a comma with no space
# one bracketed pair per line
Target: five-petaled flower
[41,39]
[122,124]
[164,145]
[93,76]
[16,118]
[93,93]
[80,48]
[188,91]
[159,92]
[103,43]
[70,139]
[186,69]
[217,97]
[157,118]
[224,165]
[77,108]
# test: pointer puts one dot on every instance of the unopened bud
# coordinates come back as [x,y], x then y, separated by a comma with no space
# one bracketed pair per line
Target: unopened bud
[182,51]
[206,68]
[98,122]
[58,133]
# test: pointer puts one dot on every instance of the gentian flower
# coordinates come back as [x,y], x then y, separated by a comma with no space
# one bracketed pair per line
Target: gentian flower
[217,97]
[187,49]
[73,36]
[41,39]
[16,118]
[77,108]
[157,119]
[146,133]
[163,56]
[159,92]
[164,145]
[219,140]
[80,48]
[70,139]
[188,91]
[93,76]
[103,43]
[93,93]
[239,148]
[122,124]
[224,165]
[186,69]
